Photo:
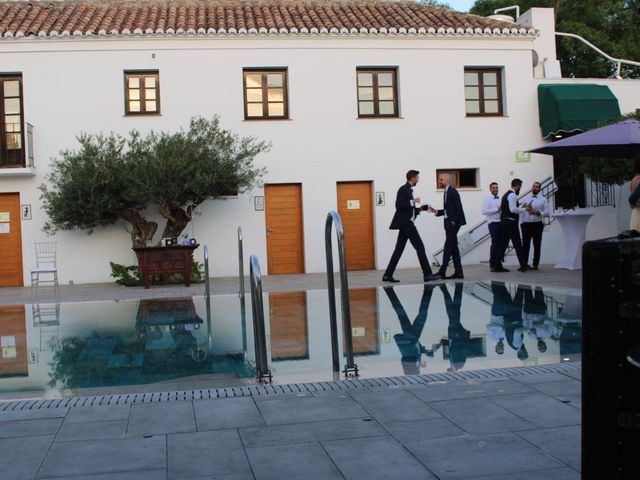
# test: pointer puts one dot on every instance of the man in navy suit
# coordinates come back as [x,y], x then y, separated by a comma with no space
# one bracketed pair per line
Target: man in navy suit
[453,219]
[407,210]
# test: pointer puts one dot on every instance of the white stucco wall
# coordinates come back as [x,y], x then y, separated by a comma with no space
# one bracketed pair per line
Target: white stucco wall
[76,85]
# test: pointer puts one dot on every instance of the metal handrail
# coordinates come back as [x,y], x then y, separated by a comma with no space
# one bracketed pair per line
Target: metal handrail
[350,369]
[619,61]
[243,313]
[207,292]
[207,289]
[259,336]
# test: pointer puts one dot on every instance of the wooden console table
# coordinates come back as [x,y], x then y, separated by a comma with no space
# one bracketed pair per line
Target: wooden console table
[174,259]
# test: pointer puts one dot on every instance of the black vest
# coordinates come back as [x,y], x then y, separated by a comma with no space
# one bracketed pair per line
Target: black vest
[505,213]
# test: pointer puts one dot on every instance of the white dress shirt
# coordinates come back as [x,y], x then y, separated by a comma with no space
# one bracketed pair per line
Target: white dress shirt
[491,208]
[538,202]
[513,203]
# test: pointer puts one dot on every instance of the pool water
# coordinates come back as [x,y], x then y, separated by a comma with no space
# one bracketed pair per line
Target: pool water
[92,348]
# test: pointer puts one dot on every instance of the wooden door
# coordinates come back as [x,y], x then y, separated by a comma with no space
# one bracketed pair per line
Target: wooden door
[364,320]
[10,241]
[13,342]
[355,206]
[288,320]
[285,240]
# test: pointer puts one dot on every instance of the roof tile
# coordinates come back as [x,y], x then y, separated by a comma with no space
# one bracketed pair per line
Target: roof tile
[124,17]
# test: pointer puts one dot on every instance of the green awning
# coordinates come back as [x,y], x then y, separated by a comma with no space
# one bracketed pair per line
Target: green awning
[570,107]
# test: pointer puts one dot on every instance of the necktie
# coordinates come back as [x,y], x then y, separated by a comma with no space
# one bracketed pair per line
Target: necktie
[444,201]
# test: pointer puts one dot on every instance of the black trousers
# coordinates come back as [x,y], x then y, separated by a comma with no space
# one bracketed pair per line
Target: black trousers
[496,239]
[510,233]
[451,250]
[408,232]
[532,231]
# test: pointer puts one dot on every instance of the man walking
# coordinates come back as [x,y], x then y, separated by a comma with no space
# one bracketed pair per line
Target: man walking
[453,219]
[407,209]
[491,210]
[532,226]
[510,211]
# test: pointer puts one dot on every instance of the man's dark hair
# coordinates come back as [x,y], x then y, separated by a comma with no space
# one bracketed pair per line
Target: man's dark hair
[492,184]
[538,183]
[516,182]
[412,173]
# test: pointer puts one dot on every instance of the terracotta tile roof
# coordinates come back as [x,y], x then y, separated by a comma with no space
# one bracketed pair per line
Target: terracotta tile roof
[237,17]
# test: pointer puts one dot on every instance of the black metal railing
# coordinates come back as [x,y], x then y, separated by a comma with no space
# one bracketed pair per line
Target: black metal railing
[602,194]
[259,333]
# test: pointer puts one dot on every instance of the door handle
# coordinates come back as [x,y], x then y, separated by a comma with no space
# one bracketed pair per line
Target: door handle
[269,231]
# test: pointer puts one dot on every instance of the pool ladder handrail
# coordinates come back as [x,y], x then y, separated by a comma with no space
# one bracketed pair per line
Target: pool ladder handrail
[350,368]
[241,293]
[262,366]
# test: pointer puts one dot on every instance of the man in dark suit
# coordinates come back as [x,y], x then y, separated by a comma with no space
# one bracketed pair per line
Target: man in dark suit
[407,210]
[510,210]
[453,219]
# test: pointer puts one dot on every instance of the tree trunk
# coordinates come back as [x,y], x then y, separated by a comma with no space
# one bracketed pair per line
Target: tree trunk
[177,220]
[142,230]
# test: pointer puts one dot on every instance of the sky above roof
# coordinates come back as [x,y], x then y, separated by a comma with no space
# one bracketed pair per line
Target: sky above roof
[460,5]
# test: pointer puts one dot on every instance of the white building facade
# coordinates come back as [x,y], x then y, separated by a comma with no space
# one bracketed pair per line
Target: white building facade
[324,152]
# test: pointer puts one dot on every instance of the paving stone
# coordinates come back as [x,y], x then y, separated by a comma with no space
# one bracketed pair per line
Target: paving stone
[389,406]
[539,409]
[563,443]
[420,430]
[481,415]
[88,457]
[160,418]
[491,454]
[292,462]
[561,390]
[92,430]
[10,415]
[98,413]
[372,458]
[467,389]
[565,473]
[226,413]
[198,454]
[24,428]
[140,475]
[310,409]
[309,432]
[26,456]
[540,378]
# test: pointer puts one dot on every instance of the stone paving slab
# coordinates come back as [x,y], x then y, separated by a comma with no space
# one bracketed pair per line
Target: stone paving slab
[88,457]
[292,462]
[159,418]
[565,473]
[226,413]
[492,454]
[100,413]
[561,442]
[421,430]
[21,457]
[393,405]
[141,475]
[561,390]
[467,389]
[310,409]
[567,280]
[541,410]
[71,431]
[380,458]
[25,428]
[9,415]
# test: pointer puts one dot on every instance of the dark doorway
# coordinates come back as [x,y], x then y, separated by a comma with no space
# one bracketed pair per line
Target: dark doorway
[570,181]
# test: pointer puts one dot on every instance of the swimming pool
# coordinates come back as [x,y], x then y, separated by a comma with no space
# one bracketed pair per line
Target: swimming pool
[97,348]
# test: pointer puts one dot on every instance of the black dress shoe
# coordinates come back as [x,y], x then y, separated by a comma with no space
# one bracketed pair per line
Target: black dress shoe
[500,270]
[433,278]
[535,267]
[526,268]
[390,279]
[455,275]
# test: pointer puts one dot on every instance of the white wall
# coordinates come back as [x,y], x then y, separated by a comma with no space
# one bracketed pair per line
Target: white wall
[74,85]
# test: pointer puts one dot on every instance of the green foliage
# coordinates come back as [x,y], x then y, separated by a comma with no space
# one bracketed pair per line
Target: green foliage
[129,275]
[611,25]
[610,170]
[110,178]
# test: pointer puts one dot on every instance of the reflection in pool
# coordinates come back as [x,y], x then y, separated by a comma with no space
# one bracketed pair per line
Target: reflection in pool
[173,344]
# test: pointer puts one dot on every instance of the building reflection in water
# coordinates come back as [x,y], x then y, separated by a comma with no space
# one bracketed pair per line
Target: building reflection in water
[13,342]
[289,330]
[364,321]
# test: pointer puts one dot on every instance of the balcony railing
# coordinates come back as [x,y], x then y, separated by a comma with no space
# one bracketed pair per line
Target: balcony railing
[601,194]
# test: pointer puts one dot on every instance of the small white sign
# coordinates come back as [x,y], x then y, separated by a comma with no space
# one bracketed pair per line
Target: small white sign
[5,228]
[353,204]
[379,199]
[5,216]
[386,335]
[523,157]
[33,355]
[258,203]
[357,331]
[25,212]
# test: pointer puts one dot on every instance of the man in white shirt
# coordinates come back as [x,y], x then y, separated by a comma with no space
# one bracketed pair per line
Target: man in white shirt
[491,210]
[531,223]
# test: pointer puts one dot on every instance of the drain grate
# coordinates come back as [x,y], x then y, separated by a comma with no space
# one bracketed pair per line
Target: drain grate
[287,389]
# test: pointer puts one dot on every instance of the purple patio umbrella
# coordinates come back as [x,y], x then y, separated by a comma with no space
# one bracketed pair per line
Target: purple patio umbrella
[620,140]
